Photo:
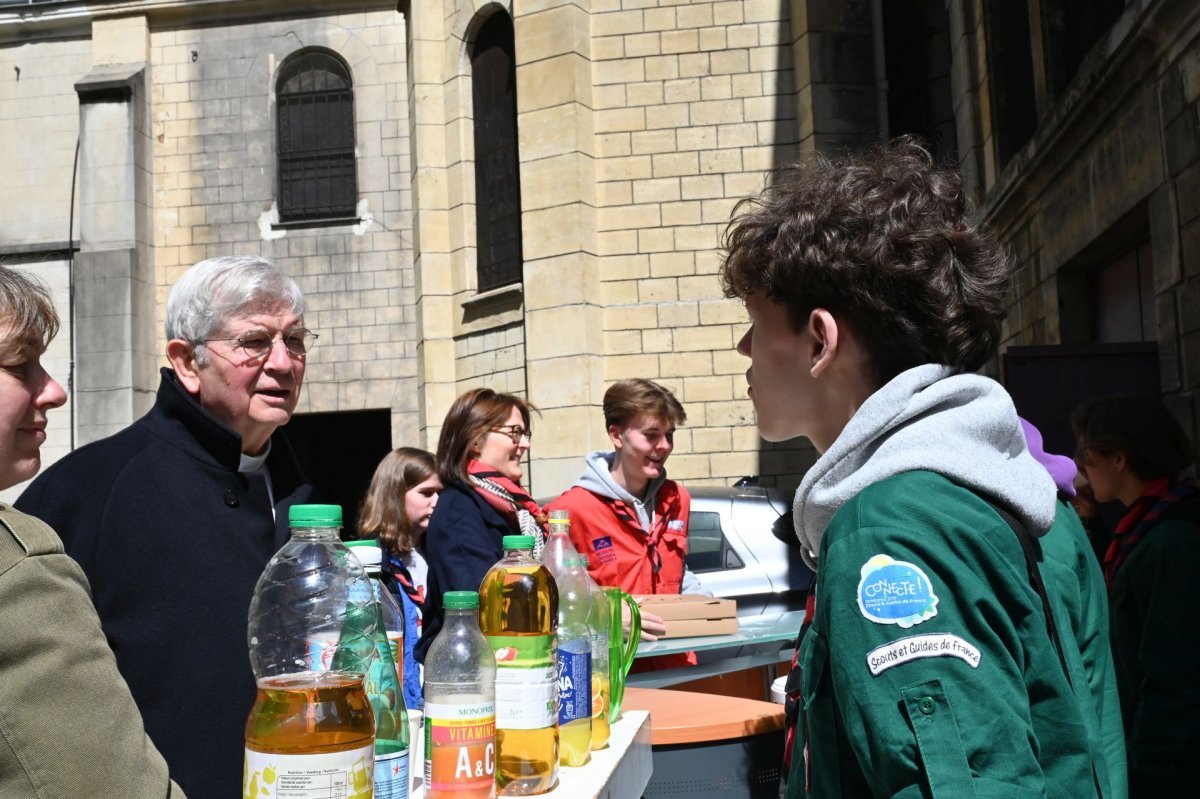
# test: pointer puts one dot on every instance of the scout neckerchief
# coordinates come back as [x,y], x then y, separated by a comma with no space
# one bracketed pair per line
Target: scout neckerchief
[1157,497]
[657,526]
[517,507]
[399,572]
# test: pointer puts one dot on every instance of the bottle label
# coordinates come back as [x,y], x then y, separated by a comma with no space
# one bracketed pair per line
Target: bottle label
[574,685]
[391,775]
[396,644]
[319,776]
[460,746]
[526,681]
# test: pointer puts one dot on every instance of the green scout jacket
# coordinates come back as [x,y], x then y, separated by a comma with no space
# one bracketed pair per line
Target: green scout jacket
[1156,645]
[928,671]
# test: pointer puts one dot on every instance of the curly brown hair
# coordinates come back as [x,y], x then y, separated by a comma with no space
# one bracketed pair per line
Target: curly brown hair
[882,239]
[383,513]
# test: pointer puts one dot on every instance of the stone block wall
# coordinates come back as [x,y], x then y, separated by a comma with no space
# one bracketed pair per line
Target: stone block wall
[39,124]
[694,103]
[1101,176]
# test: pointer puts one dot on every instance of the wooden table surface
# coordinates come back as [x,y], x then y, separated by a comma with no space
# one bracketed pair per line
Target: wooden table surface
[683,717]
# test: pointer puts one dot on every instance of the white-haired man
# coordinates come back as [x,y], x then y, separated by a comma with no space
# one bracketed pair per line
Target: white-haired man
[174,518]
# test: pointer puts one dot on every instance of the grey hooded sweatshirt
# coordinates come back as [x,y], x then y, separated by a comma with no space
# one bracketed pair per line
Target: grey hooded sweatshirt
[962,426]
[597,478]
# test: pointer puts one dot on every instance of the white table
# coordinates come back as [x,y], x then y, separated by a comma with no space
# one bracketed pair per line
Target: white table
[618,771]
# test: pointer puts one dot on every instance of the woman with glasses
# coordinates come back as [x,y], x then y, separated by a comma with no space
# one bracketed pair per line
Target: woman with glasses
[484,438]
[1134,451]
[396,510]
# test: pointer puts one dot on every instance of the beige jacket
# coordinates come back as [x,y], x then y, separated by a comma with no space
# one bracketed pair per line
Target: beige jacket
[68,725]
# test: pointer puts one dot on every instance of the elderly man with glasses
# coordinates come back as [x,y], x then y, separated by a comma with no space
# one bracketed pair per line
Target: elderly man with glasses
[174,518]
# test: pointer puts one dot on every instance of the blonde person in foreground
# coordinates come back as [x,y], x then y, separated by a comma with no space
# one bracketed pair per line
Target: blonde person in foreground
[68,725]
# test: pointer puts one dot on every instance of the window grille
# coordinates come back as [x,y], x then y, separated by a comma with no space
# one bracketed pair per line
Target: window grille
[497,175]
[315,106]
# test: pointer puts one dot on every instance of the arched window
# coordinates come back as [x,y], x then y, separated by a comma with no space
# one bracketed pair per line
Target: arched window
[315,104]
[497,176]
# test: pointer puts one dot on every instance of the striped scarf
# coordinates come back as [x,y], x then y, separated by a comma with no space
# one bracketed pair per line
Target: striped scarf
[1158,497]
[517,507]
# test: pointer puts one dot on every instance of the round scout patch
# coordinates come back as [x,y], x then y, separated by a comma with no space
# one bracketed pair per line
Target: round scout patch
[895,592]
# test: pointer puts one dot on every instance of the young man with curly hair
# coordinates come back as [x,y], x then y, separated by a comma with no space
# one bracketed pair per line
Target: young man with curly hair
[928,668]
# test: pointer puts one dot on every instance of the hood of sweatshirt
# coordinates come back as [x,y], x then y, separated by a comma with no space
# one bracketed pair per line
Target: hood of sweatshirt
[597,478]
[961,426]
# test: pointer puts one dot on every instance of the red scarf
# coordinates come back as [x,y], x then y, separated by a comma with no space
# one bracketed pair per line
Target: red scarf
[503,494]
[1157,497]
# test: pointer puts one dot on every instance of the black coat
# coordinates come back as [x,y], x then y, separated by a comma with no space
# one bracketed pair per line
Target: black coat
[172,543]
[463,541]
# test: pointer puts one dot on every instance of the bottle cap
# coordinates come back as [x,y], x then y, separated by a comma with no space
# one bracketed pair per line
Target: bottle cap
[460,600]
[315,516]
[517,542]
[369,555]
[560,517]
[362,542]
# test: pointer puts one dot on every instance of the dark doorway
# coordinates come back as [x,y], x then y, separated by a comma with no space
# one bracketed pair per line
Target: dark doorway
[339,452]
[1047,382]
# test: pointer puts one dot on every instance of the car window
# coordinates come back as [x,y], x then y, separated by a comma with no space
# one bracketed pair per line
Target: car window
[708,551]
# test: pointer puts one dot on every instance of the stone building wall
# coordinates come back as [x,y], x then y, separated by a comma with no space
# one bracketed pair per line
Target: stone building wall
[1114,165]
[694,104]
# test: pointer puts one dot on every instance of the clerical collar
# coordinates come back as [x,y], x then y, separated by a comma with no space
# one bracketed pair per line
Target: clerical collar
[251,464]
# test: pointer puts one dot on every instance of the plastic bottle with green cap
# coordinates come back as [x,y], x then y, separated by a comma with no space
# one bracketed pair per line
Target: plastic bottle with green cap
[311,636]
[518,614]
[460,705]
[383,685]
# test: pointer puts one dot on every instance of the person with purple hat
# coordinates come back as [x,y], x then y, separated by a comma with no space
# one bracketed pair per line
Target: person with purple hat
[1072,570]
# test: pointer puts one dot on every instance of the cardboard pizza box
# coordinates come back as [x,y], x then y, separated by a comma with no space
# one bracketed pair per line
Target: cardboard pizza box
[687,615]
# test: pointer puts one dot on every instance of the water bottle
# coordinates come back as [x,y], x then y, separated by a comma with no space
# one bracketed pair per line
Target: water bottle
[311,636]
[599,615]
[558,545]
[518,612]
[460,705]
[393,615]
[574,664]
[384,691]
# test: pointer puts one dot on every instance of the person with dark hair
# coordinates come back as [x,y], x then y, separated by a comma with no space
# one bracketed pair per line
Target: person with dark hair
[396,511]
[174,518]
[68,722]
[1071,568]
[1134,451]
[484,437]
[929,668]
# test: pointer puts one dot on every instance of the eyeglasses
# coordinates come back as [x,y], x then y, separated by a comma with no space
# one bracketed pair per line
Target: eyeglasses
[515,432]
[258,343]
